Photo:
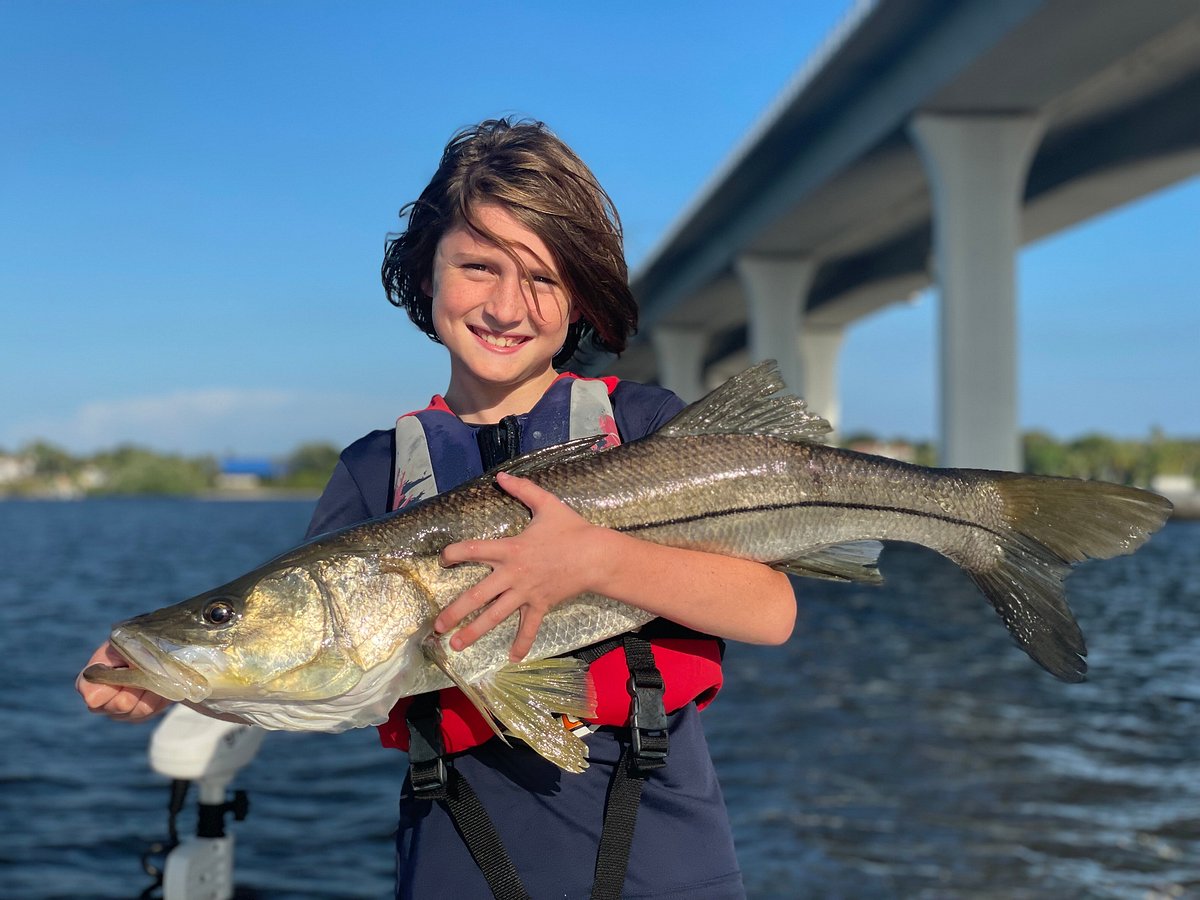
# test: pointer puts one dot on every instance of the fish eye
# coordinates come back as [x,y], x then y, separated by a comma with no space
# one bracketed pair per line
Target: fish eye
[219,612]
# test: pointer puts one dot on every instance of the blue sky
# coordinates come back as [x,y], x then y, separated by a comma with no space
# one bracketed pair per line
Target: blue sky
[195,198]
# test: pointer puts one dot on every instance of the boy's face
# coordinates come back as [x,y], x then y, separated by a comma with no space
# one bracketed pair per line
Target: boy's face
[500,332]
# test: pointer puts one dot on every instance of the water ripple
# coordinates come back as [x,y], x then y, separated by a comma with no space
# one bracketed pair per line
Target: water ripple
[898,746]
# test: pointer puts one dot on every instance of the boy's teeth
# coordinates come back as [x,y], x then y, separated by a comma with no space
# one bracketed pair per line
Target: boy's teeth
[497,340]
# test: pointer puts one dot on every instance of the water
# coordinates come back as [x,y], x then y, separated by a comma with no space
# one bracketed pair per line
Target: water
[898,746]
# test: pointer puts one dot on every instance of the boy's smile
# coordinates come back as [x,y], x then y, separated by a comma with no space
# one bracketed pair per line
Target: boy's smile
[497,340]
[502,332]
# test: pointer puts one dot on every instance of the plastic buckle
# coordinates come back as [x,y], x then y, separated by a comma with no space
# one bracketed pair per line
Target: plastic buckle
[427,768]
[647,722]
[428,779]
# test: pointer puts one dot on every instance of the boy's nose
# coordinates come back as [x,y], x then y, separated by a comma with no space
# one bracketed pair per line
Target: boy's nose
[507,302]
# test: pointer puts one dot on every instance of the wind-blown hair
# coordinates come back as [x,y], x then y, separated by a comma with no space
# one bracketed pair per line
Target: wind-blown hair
[529,172]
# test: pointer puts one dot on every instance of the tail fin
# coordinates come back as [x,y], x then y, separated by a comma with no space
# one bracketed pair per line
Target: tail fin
[1080,520]
[1056,522]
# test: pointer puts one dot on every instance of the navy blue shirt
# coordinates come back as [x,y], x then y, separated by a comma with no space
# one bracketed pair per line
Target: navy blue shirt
[550,821]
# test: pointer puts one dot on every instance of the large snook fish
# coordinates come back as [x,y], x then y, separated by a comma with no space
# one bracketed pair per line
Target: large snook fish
[328,636]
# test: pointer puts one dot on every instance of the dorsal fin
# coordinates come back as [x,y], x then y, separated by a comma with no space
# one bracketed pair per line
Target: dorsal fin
[536,460]
[750,402]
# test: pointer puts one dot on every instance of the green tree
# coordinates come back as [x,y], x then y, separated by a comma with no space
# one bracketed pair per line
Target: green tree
[858,437]
[1043,454]
[925,453]
[50,460]
[1176,457]
[1093,456]
[310,465]
[135,470]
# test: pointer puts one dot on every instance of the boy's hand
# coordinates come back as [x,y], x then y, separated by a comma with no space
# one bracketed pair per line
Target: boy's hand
[120,703]
[532,572]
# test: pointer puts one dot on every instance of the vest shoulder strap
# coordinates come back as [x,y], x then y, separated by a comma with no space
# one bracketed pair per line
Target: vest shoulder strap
[435,450]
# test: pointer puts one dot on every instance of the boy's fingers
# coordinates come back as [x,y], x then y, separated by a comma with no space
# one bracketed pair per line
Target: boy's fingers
[148,705]
[495,613]
[97,696]
[531,621]
[467,602]
[524,490]
[120,703]
[94,695]
[464,551]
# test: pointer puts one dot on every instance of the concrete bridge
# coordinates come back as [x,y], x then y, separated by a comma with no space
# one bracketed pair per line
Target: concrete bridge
[926,141]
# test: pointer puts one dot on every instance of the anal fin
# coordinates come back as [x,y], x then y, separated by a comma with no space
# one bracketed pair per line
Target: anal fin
[857,561]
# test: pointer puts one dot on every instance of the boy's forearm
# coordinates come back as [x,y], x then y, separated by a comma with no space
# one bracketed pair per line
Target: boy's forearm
[731,598]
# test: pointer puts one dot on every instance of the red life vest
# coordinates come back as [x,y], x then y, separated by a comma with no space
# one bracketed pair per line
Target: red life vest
[436,451]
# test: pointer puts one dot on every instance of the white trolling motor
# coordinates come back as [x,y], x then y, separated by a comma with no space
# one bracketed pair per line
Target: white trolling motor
[187,746]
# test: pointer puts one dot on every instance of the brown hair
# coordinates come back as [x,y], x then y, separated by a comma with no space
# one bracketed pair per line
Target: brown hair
[524,168]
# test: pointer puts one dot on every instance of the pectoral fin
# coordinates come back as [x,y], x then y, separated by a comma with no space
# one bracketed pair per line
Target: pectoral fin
[331,674]
[525,698]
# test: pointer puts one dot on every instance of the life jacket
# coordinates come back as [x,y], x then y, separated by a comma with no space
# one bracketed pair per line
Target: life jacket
[435,451]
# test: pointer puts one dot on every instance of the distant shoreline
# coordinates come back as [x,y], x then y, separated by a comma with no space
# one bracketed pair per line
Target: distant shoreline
[260,494]
[249,494]
[1187,506]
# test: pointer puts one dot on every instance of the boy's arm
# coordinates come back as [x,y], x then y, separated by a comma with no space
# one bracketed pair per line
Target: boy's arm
[560,555]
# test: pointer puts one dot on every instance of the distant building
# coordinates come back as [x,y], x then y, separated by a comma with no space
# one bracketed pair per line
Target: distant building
[91,478]
[246,473]
[1173,485]
[15,468]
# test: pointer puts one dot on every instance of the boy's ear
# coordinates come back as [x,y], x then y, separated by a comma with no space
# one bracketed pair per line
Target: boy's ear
[427,287]
[576,315]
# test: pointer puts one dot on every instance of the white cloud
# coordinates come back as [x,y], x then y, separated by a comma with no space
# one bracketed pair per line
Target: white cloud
[210,420]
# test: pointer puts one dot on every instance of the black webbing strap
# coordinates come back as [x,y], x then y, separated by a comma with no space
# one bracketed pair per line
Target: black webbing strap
[481,838]
[647,751]
[620,817]
[426,768]
[593,652]
[647,717]
[432,780]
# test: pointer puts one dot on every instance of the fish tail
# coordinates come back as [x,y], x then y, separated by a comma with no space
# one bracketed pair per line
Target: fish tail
[1052,524]
[1080,520]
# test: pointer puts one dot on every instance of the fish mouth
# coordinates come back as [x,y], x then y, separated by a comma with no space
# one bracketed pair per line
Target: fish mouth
[162,673]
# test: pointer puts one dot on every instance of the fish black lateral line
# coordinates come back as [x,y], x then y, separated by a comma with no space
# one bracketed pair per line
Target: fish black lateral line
[329,635]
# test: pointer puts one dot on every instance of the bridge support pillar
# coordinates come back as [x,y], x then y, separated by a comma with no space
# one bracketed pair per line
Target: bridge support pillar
[977,165]
[680,352]
[776,291]
[776,288]
[819,348]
